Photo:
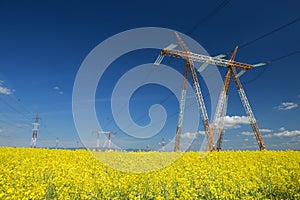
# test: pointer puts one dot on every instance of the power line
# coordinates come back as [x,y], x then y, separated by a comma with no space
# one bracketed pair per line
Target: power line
[284,56]
[13,108]
[268,65]
[12,103]
[209,15]
[205,96]
[204,19]
[270,33]
[200,22]
[264,36]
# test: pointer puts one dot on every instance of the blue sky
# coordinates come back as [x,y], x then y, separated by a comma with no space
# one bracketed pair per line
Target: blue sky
[43,44]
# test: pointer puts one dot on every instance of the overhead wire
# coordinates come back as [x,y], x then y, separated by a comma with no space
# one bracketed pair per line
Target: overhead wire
[13,103]
[11,120]
[212,13]
[217,89]
[265,68]
[24,116]
[222,5]
[193,29]
[270,33]
[12,107]
[262,37]
[283,57]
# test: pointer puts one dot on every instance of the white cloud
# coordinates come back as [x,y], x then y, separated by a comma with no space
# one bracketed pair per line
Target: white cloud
[59,91]
[189,135]
[288,133]
[4,90]
[282,133]
[265,130]
[268,135]
[201,133]
[235,121]
[247,133]
[287,106]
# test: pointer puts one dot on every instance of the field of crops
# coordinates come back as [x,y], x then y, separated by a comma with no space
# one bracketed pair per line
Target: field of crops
[65,174]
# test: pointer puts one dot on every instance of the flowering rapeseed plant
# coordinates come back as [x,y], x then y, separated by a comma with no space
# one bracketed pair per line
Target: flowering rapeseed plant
[65,174]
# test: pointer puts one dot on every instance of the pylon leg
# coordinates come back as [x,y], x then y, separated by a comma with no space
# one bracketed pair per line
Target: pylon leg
[181,109]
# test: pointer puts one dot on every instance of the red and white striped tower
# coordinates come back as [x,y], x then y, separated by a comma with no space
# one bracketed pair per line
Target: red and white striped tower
[35,131]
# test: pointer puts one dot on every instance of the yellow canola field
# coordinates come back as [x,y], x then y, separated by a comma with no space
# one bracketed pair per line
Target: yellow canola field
[65,174]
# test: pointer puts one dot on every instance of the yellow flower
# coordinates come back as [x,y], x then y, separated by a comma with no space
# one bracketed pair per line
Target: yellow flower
[65,174]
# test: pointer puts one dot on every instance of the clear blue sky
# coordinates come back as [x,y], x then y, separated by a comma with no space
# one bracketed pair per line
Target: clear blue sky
[43,43]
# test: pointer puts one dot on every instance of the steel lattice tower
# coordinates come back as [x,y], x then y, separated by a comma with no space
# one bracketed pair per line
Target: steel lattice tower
[34,131]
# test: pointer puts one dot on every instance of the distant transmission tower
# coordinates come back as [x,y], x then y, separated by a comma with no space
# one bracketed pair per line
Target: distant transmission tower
[107,142]
[35,131]
[98,139]
[163,144]
[56,143]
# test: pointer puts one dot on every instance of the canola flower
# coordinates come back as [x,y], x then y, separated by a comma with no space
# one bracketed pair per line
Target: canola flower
[65,174]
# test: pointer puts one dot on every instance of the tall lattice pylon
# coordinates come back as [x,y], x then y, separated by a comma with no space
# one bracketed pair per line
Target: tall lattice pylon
[189,67]
[231,65]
